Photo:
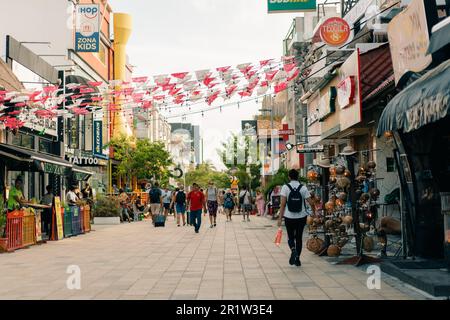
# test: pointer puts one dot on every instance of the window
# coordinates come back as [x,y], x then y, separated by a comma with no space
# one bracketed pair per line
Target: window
[23,140]
[46,146]
[390,165]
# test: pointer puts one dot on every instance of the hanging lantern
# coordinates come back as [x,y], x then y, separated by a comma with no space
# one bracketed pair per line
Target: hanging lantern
[340,203]
[333,251]
[329,206]
[347,173]
[371,165]
[340,170]
[347,220]
[312,175]
[374,193]
[333,171]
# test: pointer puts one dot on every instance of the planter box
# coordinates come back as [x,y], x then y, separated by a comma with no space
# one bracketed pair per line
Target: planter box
[106,220]
[3,244]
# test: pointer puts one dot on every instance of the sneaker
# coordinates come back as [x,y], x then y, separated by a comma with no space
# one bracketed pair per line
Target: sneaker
[184,224]
[212,226]
[248,219]
[215,224]
[297,262]
[196,231]
[293,257]
[178,225]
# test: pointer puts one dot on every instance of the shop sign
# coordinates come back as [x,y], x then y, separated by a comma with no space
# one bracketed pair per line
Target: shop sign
[83,161]
[276,6]
[87,34]
[249,127]
[74,132]
[335,31]
[46,126]
[327,104]
[358,10]
[54,169]
[346,92]
[409,40]
[98,138]
[59,218]
[316,149]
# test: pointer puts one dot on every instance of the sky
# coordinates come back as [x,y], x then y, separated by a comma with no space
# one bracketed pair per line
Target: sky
[187,35]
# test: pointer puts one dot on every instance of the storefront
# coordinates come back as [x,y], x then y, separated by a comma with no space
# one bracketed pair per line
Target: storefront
[418,119]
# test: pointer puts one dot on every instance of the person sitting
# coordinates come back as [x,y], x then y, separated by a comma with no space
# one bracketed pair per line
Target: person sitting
[16,200]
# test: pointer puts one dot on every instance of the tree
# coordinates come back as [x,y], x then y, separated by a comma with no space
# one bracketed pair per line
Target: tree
[240,155]
[141,159]
[204,173]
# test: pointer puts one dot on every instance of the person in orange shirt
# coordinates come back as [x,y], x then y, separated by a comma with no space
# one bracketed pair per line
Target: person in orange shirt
[196,201]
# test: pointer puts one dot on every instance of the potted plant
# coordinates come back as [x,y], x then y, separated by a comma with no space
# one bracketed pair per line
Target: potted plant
[3,239]
[107,211]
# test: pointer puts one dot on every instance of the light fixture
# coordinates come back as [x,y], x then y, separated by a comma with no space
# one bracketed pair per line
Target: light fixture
[289,146]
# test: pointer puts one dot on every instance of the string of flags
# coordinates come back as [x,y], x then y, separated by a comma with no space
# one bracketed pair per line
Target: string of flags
[169,91]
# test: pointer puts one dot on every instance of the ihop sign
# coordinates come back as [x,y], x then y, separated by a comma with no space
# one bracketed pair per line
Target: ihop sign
[87,34]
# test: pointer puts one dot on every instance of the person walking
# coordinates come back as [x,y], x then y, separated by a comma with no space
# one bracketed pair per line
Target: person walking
[229,204]
[293,208]
[245,198]
[196,202]
[179,202]
[155,199]
[213,204]
[167,199]
[124,204]
[47,199]
[260,203]
[220,200]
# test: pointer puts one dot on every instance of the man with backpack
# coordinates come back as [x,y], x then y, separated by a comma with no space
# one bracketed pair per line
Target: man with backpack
[212,196]
[228,204]
[293,208]
[245,200]
[155,199]
[180,205]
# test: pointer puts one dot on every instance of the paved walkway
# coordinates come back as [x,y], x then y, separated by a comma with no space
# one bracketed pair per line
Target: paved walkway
[235,260]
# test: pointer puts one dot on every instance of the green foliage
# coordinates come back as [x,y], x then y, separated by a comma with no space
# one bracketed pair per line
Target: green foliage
[142,158]
[107,207]
[241,169]
[205,172]
[279,179]
[2,216]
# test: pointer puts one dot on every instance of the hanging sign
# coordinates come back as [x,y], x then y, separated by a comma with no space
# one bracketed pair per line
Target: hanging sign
[409,40]
[346,92]
[98,139]
[83,161]
[276,6]
[335,31]
[303,149]
[87,33]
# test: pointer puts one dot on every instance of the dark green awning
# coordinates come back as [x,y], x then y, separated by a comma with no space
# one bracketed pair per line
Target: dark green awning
[440,38]
[425,101]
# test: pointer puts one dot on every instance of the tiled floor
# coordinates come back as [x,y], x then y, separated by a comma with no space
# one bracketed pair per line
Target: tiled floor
[235,260]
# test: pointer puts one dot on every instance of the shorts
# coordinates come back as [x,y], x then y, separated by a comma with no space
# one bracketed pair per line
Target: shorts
[155,208]
[167,206]
[212,207]
[248,207]
[181,208]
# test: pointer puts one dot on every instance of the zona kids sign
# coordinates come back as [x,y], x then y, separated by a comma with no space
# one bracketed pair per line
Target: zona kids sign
[87,35]
[275,6]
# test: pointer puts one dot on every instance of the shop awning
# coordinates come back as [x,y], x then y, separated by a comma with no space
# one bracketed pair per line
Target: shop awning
[8,80]
[80,174]
[440,36]
[425,101]
[20,159]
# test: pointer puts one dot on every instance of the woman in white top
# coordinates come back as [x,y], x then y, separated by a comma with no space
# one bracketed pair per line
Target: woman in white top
[212,197]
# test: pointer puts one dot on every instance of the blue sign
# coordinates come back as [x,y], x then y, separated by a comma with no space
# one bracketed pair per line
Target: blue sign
[87,35]
[98,139]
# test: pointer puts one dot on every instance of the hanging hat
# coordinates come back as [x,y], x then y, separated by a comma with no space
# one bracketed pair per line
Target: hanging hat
[348,151]
[324,163]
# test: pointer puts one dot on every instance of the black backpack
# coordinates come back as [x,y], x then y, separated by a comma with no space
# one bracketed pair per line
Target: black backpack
[180,197]
[295,199]
[242,198]
[155,195]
